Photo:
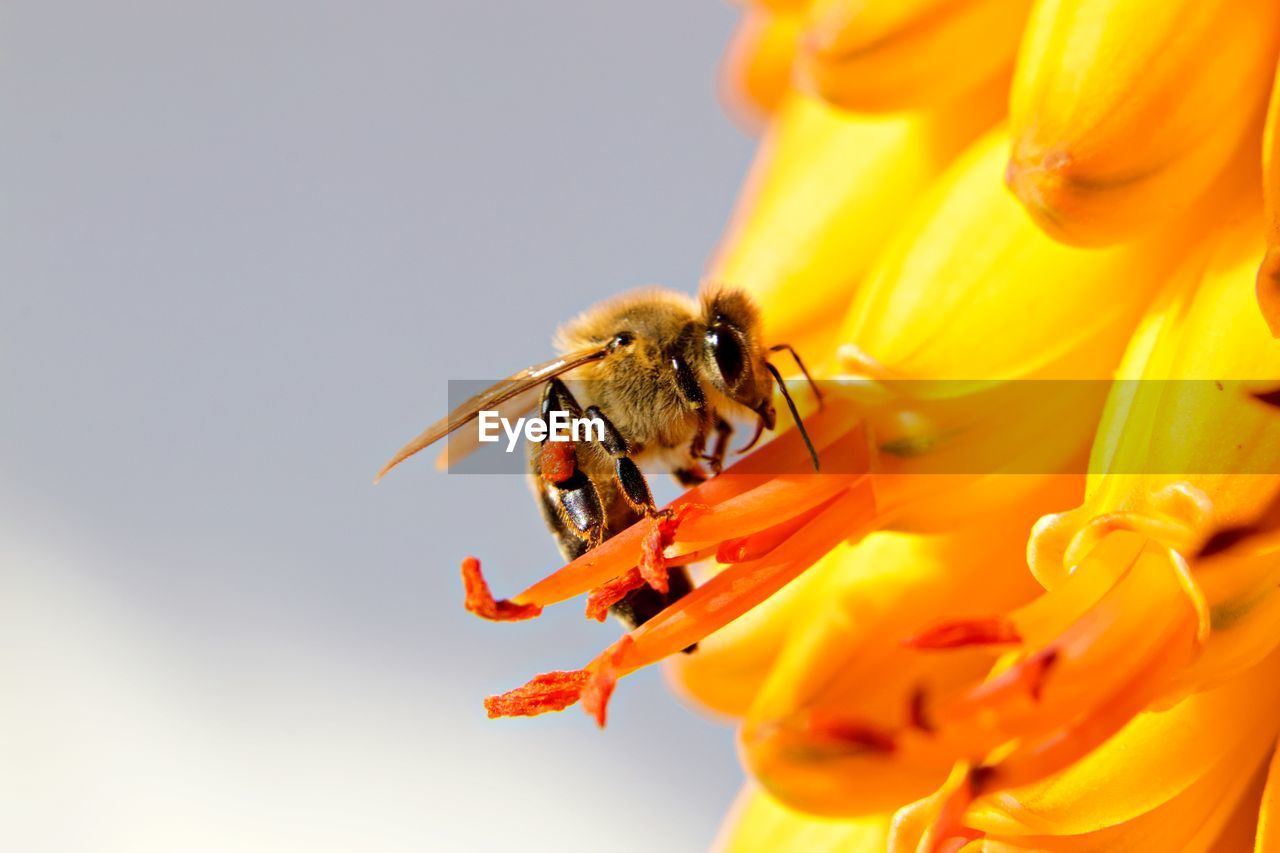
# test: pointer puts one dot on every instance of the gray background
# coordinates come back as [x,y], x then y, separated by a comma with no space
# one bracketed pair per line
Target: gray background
[244,246]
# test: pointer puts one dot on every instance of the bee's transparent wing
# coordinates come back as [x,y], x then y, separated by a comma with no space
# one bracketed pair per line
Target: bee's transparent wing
[518,393]
[464,441]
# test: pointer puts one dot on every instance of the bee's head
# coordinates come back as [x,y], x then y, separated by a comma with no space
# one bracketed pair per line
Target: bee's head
[734,355]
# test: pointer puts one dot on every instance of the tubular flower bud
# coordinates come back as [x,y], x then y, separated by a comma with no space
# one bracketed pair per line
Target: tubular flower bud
[971,288]
[1119,108]
[822,196]
[872,55]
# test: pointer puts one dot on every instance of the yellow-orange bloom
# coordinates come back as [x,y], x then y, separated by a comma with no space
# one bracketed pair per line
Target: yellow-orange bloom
[1124,111]
[926,651]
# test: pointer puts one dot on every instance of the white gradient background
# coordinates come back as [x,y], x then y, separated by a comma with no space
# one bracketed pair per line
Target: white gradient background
[244,245]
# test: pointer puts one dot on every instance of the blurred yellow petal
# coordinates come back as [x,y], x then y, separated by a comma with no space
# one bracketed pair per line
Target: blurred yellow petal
[902,54]
[759,824]
[1124,110]
[823,195]
[755,74]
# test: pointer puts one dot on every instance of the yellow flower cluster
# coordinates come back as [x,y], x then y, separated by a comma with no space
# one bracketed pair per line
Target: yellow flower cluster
[955,200]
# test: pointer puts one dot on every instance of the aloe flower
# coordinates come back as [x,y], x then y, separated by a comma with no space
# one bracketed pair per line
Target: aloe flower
[1001,618]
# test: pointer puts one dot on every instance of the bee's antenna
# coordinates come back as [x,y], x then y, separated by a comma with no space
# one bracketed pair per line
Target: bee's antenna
[795,415]
[817,392]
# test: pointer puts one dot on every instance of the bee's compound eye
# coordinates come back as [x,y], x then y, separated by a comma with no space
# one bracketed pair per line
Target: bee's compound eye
[727,352]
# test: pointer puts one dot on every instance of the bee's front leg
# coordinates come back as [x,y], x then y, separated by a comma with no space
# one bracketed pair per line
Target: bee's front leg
[724,432]
[693,473]
[631,482]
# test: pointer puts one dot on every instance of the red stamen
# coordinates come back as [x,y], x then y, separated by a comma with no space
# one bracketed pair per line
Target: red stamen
[479,600]
[595,696]
[611,592]
[550,691]
[556,461]
[991,631]
[916,712]
[848,730]
[1037,668]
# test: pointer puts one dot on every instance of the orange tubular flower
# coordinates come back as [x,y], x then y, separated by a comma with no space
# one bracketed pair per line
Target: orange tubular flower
[874,55]
[1125,110]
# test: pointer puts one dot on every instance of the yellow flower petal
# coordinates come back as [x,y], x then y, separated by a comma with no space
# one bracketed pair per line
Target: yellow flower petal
[971,288]
[823,195]
[1123,110]
[900,54]
[759,824]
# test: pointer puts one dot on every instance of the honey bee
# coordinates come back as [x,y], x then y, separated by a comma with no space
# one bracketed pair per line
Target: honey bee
[665,374]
